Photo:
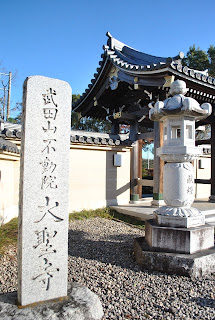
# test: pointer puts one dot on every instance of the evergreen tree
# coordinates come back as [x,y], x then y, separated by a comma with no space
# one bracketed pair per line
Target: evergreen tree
[211,54]
[201,60]
[87,123]
[18,111]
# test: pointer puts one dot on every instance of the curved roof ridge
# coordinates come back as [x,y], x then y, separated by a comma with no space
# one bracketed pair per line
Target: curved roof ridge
[132,61]
[138,58]
[134,56]
[113,43]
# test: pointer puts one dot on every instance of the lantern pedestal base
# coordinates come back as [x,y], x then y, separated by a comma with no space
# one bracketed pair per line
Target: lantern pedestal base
[197,265]
[180,240]
[179,222]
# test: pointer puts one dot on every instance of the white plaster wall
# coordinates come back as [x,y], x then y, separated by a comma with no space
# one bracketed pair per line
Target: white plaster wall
[9,189]
[95,182]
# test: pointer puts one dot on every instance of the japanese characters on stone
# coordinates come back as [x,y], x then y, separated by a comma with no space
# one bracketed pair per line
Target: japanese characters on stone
[44,239]
[44,190]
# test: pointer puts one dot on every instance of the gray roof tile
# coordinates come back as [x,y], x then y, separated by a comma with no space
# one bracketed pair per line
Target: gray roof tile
[8,146]
[97,138]
[131,60]
[76,136]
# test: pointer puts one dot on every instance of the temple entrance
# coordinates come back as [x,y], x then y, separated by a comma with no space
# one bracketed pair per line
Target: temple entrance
[127,84]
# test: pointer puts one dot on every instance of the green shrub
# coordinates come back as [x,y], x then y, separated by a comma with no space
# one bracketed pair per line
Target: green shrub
[106,213]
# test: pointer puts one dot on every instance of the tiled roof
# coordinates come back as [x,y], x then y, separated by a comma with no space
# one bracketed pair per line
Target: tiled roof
[128,58]
[138,63]
[195,74]
[97,138]
[8,146]
[206,148]
[11,130]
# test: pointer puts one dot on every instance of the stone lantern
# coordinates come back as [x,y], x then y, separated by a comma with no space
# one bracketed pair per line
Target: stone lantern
[177,227]
[178,115]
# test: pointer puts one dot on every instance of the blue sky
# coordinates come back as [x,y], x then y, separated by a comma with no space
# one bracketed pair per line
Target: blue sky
[63,39]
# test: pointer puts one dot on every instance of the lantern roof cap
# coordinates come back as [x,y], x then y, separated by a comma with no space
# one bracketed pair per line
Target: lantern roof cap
[179,105]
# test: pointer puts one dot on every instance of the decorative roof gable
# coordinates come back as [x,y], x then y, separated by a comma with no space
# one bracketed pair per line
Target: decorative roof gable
[121,63]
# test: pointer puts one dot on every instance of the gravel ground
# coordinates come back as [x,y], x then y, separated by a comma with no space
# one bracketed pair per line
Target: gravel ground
[100,257]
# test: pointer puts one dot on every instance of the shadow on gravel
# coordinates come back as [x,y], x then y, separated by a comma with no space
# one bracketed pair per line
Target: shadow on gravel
[205,302]
[117,249]
[10,297]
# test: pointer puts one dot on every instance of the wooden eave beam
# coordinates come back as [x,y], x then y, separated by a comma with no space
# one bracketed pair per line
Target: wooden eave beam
[136,115]
[94,91]
[94,94]
[120,101]
[206,141]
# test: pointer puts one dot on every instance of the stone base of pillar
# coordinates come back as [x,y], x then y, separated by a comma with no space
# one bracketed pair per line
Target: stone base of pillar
[157,203]
[135,197]
[197,265]
[179,222]
[179,240]
[179,211]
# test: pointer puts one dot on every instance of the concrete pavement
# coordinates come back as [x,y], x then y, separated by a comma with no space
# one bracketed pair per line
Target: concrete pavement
[144,211]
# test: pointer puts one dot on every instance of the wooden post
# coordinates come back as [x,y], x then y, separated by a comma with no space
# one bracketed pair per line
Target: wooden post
[134,162]
[115,127]
[158,165]
[212,197]
[134,172]
[140,146]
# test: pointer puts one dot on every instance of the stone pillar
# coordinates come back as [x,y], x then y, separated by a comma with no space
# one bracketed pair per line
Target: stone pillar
[44,191]
[158,166]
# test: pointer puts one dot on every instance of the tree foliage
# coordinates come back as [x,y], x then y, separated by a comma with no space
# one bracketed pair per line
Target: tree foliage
[87,123]
[75,97]
[211,54]
[17,111]
[148,146]
[201,60]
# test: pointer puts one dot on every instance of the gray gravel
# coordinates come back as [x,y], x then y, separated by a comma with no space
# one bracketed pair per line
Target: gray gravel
[100,257]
